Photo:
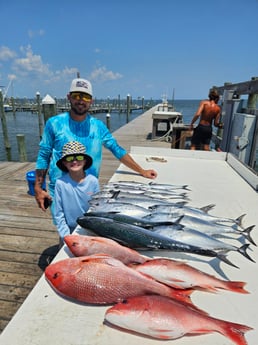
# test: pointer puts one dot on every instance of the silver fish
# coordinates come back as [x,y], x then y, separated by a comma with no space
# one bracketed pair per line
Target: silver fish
[199,224]
[139,201]
[126,208]
[166,196]
[125,189]
[121,195]
[199,239]
[139,238]
[196,212]
[151,185]
[155,185]
[120,217]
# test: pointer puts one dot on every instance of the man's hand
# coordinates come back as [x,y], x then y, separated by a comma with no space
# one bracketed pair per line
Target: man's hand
[40,196]
[152,174]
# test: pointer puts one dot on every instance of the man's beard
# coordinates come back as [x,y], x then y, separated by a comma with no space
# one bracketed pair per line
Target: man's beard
[78,112]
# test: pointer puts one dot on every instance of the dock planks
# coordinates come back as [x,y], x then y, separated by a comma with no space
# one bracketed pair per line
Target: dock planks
[28,239]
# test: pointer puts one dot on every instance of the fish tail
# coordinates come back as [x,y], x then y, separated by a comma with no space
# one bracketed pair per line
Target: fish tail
[207,208]
[222,256]
[243,249]
[235,332]
[247,233]
[239,219]
[236,286]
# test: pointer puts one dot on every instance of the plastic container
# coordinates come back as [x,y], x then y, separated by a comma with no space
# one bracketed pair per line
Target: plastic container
[31,178]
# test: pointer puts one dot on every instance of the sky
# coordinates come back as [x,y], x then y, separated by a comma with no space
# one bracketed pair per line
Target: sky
[142,48]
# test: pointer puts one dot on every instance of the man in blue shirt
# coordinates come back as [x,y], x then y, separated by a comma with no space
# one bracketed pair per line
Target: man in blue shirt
[77,125]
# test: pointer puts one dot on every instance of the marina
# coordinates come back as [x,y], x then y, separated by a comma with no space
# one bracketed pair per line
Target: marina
[34,241]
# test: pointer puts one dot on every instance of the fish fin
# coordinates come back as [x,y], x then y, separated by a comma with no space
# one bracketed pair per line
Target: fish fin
[184,299]
[178,220]
[242,250]
[207,288]
[115,194]
[247,233]
[152,225]
[182,296]
[207,208]
[181,203]
[100,257]
[234,331]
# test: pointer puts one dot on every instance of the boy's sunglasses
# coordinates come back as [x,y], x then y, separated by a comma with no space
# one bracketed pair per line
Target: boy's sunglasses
[81,96]
[72,158]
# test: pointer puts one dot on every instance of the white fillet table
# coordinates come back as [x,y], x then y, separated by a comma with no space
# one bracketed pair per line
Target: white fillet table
[46,318]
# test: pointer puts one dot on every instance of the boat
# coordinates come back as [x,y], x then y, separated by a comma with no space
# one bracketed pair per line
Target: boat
[164,117]
[7,108]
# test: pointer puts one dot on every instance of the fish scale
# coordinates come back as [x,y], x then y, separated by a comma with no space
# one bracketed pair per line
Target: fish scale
[167,319]
[101,279]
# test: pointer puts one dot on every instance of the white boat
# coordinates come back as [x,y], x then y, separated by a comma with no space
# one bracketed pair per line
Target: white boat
[7,108]
[164,117]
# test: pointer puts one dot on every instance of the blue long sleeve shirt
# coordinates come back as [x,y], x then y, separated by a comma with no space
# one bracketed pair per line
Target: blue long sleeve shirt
[61,129]
[71,201]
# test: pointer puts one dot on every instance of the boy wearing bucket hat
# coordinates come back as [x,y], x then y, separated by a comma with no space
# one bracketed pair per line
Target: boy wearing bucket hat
[80,126]
[74,189]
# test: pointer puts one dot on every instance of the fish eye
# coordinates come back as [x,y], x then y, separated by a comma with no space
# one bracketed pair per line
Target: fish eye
[56,275]
[74,244]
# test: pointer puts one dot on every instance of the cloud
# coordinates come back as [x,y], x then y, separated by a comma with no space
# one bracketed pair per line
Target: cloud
[32,33]
[102,74]
[31,63]
[6,53]
[12,76]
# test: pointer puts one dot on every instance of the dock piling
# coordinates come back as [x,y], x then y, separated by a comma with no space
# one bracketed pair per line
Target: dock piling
[39,114]
[21,147]
[4,126]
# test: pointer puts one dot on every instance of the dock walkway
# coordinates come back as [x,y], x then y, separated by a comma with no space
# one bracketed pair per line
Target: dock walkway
[28,239]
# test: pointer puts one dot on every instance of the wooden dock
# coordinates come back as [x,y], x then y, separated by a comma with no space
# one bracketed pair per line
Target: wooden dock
[28,239]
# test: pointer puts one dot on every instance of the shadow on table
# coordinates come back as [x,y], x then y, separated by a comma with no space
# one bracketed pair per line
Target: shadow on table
[47,256]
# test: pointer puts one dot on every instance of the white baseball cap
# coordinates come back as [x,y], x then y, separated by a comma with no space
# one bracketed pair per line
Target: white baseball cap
[81,85]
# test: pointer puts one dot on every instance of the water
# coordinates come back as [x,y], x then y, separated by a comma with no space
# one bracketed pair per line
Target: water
[27,124]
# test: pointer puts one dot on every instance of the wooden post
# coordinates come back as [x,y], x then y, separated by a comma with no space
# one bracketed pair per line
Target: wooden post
[108,120]
[4,126]
[127,108]
[143,104]
[48,111]
[39,115]
[13,105]
[21,147]
[119,104]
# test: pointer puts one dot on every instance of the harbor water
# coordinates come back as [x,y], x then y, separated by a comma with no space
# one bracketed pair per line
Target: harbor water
[27,123]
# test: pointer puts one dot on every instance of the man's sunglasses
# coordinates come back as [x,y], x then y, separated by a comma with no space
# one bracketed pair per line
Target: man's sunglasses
[72,158]
[81,96]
